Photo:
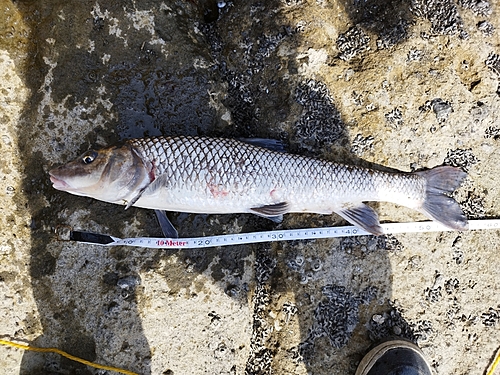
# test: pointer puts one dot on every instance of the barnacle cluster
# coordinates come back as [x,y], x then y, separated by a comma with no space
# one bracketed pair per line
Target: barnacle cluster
[256,53]
[451,285]
[491,318]
[361,144]
[289,309]
[128,284]
[486,28]
[493,62]
[391,37]
[362,245]
[292,2]
[442,109]
[442,14]
[260,357]
[433,293]
[458,254]
[414,55]
[336,316]
[423,330]
[473,206]
[492,132]
[387,324]
[320,122]
[464,159]
[479,7]
[445,18]
[353,42]
[305,267]
[249,82]
[395,118]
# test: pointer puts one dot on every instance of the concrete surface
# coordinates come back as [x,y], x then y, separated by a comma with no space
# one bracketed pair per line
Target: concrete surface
[402,84]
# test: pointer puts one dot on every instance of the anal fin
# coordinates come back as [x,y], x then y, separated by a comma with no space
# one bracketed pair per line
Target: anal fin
[363,216]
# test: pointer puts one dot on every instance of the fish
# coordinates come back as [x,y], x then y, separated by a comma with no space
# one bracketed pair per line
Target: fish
[225,176]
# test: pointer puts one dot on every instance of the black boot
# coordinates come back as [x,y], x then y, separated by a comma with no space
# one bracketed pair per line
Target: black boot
[394,357]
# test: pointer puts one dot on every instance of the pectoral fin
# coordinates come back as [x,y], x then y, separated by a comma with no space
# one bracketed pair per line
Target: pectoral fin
[136,198]
[144,176]
[167,227]
[362,216]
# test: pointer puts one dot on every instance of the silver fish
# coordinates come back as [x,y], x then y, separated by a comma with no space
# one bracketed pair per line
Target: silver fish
[218,176]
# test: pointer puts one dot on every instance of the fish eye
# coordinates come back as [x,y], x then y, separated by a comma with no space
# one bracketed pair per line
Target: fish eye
[89,157]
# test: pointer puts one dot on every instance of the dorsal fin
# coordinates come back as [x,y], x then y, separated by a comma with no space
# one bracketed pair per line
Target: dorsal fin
[270,144]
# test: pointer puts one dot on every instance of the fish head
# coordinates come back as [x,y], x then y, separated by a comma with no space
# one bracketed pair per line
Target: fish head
[113,174]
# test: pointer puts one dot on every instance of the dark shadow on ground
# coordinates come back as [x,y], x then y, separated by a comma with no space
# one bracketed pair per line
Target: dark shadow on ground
[93,86]
[150,93]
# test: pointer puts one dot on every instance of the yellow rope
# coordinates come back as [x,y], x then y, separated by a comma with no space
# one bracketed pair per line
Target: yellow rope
[490,371]
[69,356]
[494,364]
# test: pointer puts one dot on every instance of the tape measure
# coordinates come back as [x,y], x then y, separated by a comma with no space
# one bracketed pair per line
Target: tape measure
[269,236]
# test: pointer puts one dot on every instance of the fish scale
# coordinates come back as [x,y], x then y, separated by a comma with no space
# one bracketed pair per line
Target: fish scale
[216,175]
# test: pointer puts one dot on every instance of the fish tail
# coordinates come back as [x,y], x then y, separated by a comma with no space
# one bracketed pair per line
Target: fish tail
[438,205]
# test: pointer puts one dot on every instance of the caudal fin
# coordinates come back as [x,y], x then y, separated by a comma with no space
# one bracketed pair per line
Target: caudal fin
[438,205]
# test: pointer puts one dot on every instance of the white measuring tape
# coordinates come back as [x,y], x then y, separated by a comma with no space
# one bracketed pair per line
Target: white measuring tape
[270,236]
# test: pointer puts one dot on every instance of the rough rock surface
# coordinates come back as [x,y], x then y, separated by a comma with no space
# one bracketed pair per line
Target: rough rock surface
[406,85]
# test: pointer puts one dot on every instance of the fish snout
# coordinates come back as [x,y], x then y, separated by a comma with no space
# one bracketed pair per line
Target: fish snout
[58,183]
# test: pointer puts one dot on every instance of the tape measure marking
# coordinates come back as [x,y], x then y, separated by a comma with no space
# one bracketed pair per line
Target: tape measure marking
[270,236]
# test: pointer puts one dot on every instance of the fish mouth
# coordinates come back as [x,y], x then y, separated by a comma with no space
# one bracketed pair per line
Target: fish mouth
[58,184]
